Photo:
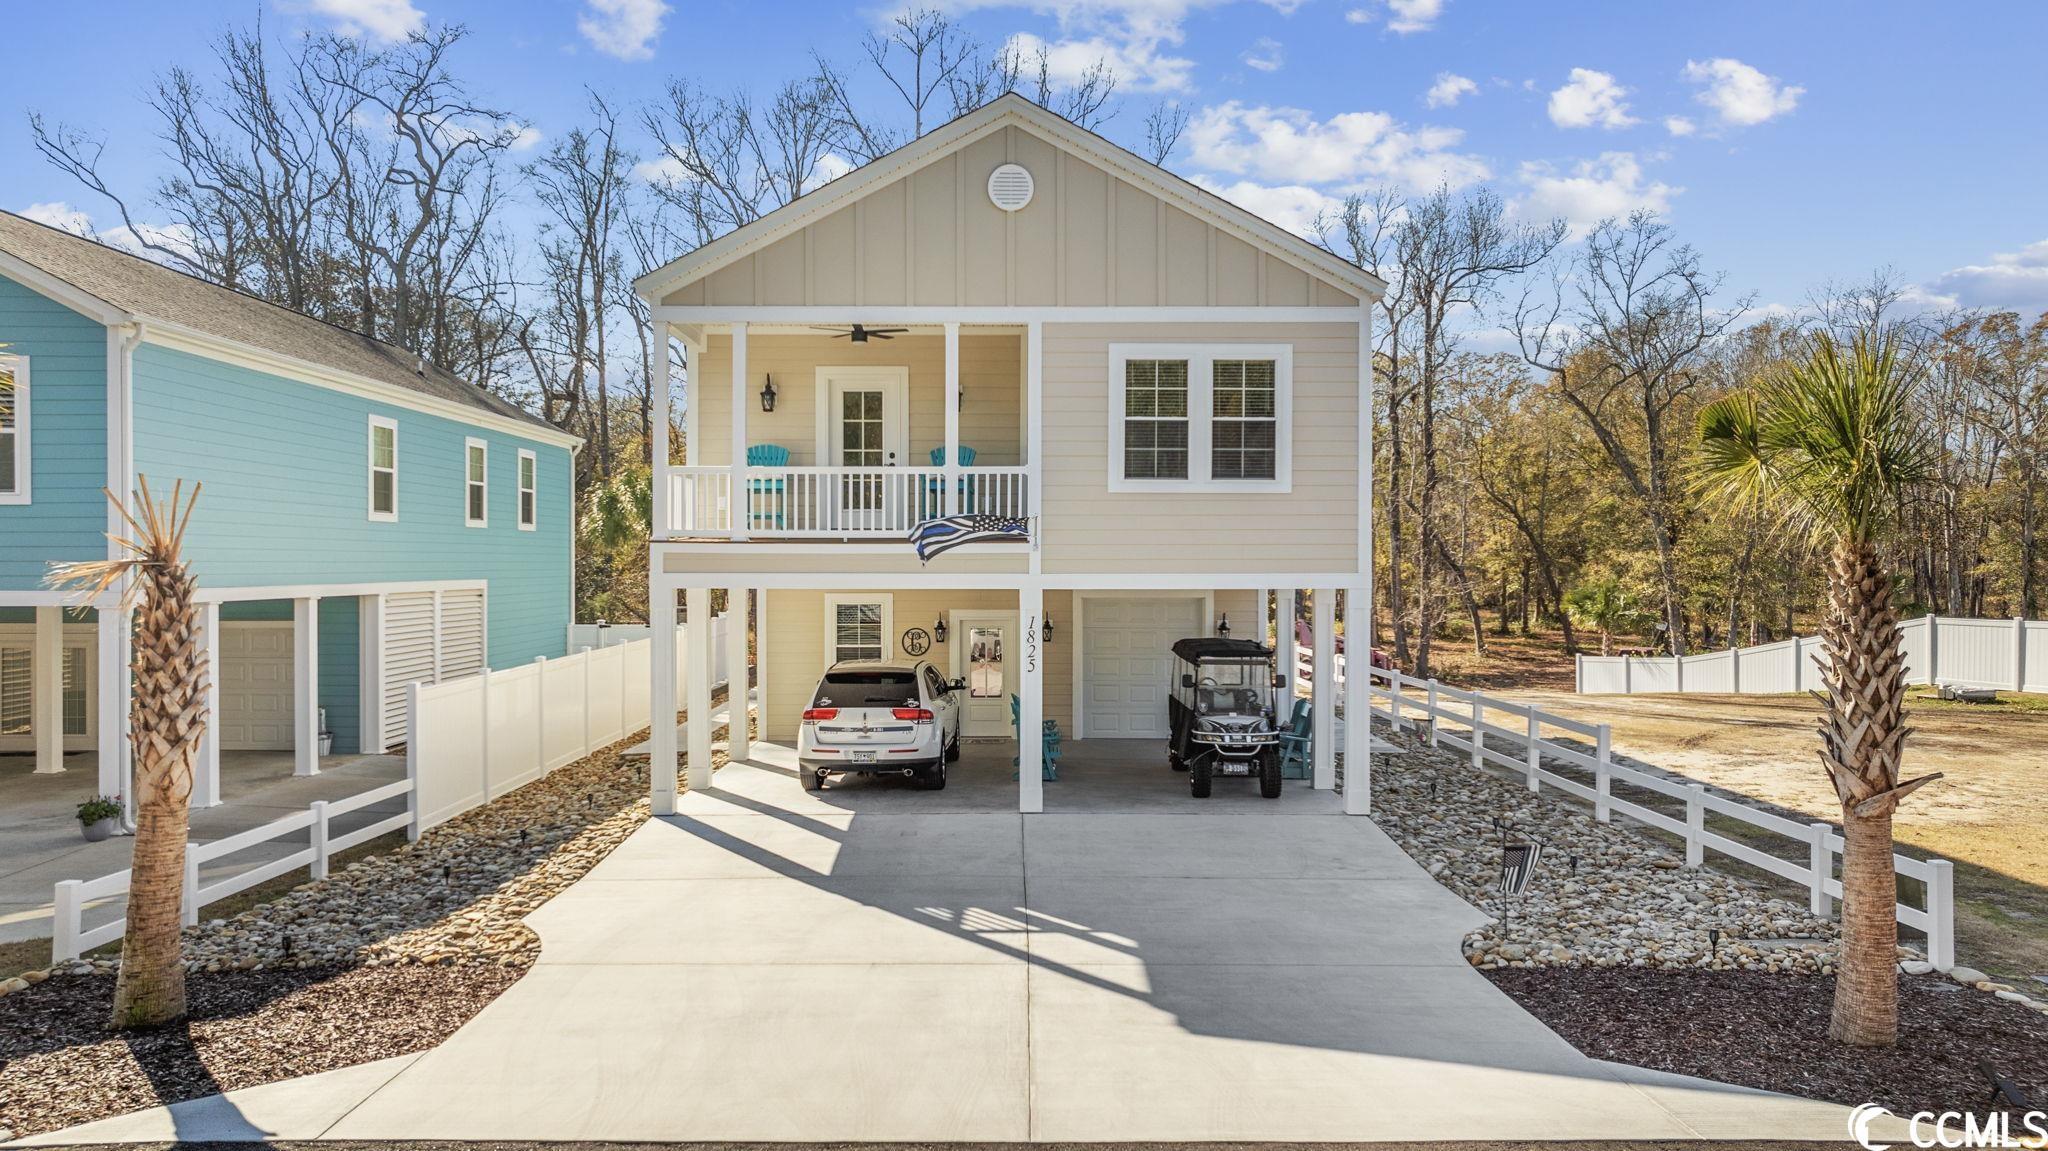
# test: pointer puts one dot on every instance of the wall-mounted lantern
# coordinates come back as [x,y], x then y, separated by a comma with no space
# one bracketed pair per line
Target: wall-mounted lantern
[1223,625]
[768,395]
[1046,631]
[939,630]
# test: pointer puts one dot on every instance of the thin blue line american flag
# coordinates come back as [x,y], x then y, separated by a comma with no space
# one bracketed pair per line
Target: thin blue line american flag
[936,537]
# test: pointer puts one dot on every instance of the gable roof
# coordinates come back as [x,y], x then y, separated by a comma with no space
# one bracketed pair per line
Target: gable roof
[127,288]
[1010,108]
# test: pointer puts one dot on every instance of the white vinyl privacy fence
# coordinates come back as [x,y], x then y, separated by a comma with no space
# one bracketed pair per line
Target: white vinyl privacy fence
[2004,654]
[471,740]
[1576,758]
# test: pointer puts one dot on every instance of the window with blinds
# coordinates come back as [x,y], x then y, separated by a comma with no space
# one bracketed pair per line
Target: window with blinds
[1244,426]
[1156,419]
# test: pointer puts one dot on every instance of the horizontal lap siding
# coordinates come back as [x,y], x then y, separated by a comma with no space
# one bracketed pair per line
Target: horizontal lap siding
[991,377]
[1314,527]
[796,646]
[67,517]
[284,466]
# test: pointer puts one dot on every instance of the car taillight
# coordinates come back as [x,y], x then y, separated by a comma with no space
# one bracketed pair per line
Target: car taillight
[921,714]
[811,713]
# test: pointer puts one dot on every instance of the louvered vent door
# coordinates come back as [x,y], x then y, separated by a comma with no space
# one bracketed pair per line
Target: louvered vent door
[408,635]
[462,633]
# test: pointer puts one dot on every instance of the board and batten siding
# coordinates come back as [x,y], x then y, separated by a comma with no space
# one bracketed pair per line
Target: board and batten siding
[285,502]
[1087,239]
[796,646]
[66,518]
[991,379]
[1311,528]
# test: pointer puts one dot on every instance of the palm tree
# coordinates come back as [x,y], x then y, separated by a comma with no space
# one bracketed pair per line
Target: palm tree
[167,714]
[1831,443]
[1603,605]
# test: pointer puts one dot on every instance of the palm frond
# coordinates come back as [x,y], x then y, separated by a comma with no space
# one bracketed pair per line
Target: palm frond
[154,538]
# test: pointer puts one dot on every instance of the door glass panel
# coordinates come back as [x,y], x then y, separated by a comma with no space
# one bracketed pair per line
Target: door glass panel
[74,691]
[861,446]
[16,682]
[985,662]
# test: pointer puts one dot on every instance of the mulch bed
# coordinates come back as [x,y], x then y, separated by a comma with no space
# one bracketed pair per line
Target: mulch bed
[1769,1031]
[60,1066]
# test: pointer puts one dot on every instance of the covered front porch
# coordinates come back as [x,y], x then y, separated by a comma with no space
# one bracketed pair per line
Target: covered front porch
[848,431]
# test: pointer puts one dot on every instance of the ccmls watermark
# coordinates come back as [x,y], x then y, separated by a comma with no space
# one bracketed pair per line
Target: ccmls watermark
[1953,1128]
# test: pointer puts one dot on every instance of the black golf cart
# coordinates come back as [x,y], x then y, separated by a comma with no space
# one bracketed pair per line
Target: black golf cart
[1221,714]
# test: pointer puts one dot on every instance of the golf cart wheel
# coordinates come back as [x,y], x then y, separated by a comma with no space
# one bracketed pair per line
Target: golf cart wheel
[1269,774]
[813,780]
[1201,775]
[953,750]
[1175,762]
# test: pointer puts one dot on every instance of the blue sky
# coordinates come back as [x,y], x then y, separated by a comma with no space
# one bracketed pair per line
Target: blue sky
[1792,143]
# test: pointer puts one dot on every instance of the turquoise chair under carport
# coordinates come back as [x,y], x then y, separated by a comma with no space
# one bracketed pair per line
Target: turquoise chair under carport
[1297,744]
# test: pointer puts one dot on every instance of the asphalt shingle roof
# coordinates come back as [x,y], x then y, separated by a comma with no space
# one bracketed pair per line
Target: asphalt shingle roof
[154,292]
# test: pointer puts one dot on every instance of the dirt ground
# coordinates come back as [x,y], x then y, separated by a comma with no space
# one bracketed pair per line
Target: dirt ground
[1985,814]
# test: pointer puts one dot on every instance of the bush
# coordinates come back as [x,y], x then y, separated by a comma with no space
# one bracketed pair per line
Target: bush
[99,807]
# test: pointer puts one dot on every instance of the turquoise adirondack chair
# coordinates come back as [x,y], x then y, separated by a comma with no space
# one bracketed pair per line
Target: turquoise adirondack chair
[774,513]
[1050,735]
[1297,743]
[935,504]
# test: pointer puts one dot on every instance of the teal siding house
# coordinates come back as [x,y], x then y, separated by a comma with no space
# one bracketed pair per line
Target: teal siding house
[366,519]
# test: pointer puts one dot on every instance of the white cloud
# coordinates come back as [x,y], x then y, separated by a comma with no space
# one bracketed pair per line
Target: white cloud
[1291,146]
[525,137]
[1592,190]
[1448,90]
[1405,16]
[666,170]
[388,21]
[1266,54]
[1358,16]
[1739,94]
[1292,206]
[1140,64]
[625,29]
[2015,281]
[59,214]
[1680,125]
[1589,98]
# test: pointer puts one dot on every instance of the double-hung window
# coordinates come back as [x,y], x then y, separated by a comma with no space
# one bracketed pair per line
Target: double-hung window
[858,627]
[383,469]
[529,490]
[475,483]
[13,429]
[1208,417]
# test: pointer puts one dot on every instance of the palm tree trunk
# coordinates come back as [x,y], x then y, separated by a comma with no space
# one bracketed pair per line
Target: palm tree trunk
[151,986]
[1862,732]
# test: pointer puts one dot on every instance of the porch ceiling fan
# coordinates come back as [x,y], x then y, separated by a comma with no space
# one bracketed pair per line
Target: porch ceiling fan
[860,334]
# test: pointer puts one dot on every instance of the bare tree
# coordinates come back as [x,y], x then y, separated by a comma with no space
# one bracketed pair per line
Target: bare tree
[1163,127]
[919,56]
[1623,336]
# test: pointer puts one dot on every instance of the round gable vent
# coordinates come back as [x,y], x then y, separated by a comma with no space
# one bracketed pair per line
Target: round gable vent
[1010,187]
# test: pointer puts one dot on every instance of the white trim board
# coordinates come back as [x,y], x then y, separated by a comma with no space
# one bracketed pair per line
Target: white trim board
[801,315]
[1125,585]
[327,591]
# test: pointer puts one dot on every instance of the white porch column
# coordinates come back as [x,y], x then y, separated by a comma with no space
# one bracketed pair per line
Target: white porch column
[1290,654]
[370,665]
[1031,702]
[114,678]
[1357,704]
[306,686]
[697,685]
[206,773]
[1324,717]
[46,693]
[951,459]
[738,500]
[739,745]
[761,705]
[661,719]
[1034,435]
[658,451]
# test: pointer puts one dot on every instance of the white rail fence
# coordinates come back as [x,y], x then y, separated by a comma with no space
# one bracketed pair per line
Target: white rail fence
[838,502]
[2003,654]
[473,739]
[1531,743]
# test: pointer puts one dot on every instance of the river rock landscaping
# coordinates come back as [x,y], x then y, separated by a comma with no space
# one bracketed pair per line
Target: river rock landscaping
[383,958]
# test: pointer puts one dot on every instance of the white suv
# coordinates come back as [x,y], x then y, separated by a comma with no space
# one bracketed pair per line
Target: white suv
[880,719]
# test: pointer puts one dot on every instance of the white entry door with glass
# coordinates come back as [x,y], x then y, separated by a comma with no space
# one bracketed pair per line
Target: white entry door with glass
[982,644]
[862,431]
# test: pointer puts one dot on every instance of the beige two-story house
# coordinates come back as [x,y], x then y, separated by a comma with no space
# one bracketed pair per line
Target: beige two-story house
[1013,317]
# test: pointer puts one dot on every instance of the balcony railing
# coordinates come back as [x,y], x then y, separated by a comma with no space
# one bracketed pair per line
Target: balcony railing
[836,503]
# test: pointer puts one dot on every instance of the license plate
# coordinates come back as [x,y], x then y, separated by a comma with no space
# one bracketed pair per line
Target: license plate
[860,757]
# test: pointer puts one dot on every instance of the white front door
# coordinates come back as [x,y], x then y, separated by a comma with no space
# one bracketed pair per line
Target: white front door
[865,424]
[1126,659]
[255,686]
[983,645]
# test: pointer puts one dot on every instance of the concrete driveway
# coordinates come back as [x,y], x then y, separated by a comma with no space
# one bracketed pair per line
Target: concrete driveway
[873,963]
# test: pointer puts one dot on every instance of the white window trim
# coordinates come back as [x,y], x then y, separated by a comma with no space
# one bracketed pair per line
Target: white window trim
[470,443]
[370,471]
[526,456]
[22,471]
[1201,360]
[832,605]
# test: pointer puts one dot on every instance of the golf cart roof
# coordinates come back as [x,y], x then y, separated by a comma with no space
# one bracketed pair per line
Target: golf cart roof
[1197,649]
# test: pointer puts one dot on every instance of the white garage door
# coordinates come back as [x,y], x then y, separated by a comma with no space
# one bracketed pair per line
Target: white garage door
[1125,662]
[256,686]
